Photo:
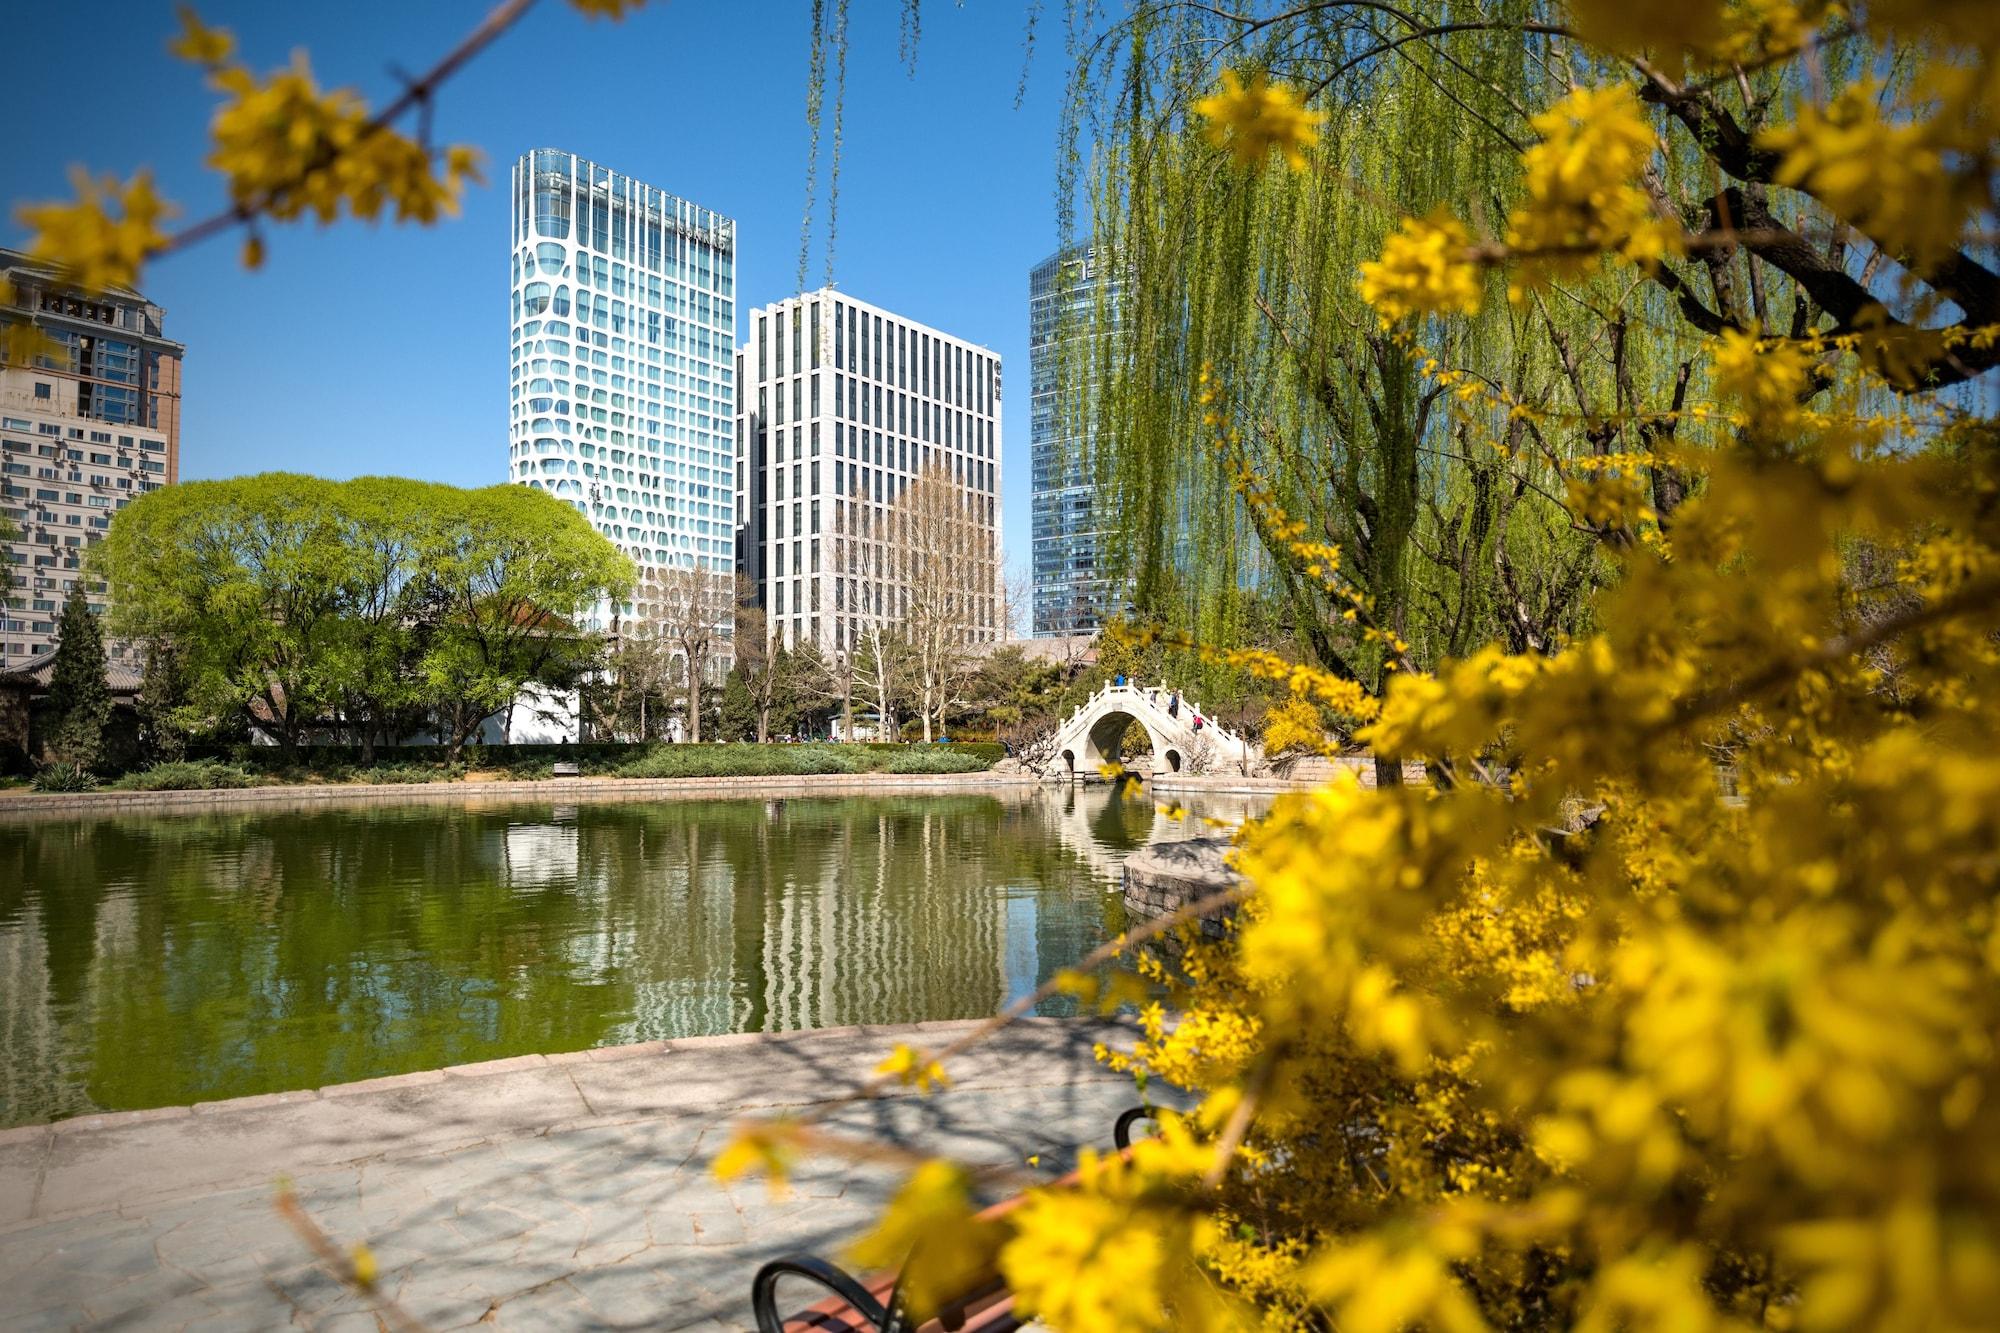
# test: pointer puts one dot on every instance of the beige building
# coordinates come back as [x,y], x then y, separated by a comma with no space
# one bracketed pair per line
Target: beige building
[92,423]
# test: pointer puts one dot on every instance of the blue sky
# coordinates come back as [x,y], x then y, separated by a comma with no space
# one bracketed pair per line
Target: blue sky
[381,349]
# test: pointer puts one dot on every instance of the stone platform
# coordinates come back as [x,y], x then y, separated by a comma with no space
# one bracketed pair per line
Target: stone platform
[546,1192]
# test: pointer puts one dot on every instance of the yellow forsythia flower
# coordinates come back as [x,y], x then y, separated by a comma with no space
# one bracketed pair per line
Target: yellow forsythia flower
[768,1147]
[1424,270]
[1251,117]
[362,1260]
[912,1068]
[104,238]
[1766,382]
[929,1231]
[1584,197]
[200,44]
[1900,173]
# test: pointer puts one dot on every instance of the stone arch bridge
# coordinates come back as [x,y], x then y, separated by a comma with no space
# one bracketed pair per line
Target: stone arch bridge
[1089,736]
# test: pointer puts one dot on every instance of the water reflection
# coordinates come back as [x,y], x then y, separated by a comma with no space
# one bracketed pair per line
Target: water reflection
[161,960]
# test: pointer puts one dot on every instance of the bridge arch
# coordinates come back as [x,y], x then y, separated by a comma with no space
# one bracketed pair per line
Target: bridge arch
[1091,735]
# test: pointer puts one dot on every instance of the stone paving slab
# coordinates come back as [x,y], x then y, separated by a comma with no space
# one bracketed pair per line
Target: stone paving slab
[529,1193]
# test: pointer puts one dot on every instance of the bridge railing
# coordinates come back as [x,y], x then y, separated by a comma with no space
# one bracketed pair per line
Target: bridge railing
[1135,687]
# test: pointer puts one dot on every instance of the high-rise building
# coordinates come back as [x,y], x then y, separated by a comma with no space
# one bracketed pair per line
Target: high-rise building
[92,421]
[844,405]
[622,389]
[1073,590]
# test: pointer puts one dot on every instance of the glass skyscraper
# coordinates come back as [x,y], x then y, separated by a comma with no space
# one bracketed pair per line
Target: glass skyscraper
[622,392]
[1073,592]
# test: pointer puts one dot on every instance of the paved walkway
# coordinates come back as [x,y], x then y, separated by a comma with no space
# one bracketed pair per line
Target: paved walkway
[558,1192]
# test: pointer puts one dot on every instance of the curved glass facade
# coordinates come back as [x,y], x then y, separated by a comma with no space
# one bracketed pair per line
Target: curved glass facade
[622,392]
[1074,590]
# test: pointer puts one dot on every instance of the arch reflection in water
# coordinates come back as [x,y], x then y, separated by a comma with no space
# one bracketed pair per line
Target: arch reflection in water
[165,960]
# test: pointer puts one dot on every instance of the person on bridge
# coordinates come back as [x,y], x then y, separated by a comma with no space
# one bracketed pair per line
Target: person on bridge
[1174,705]
[1119,680]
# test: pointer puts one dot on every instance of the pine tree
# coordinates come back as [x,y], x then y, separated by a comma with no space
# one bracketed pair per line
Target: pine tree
[79,693]
[739,708]
[163,703]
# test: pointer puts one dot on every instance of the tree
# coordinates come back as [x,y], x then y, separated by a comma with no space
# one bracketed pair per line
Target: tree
[504,584]
[385,526]
[642,669]
[79,699]
[367,607]
[691,609]
[943,554]
[758,663]
[1598,1032]
[881,670]
[248,579]
[167,715]
[739,707]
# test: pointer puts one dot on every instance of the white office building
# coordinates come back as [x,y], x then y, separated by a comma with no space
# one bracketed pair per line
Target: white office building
[622,391]
[843,405]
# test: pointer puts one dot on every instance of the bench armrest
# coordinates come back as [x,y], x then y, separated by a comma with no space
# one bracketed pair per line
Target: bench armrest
[1121,1131]
[764,1290]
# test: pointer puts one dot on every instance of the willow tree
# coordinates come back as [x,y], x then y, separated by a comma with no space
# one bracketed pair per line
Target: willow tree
[1365,487]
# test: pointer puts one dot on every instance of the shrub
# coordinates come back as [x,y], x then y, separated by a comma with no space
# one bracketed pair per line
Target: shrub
[716,761]
[64,776]
[186,775]
[937,760]
[406,773]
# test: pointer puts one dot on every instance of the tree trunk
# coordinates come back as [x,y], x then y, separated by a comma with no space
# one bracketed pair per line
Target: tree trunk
[694,705]
[459,731]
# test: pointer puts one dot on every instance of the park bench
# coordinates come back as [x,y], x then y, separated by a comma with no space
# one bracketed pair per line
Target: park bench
[874,1304]
[568,770]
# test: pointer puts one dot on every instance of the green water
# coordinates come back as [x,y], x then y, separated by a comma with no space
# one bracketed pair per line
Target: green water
[162,960]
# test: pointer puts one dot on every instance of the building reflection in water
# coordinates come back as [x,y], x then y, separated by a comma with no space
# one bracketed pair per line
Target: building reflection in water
[160,961]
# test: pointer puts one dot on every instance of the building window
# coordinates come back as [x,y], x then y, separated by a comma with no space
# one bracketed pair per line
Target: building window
[41,389]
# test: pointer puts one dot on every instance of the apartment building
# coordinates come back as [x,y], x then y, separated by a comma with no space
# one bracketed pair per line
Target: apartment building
[88,423]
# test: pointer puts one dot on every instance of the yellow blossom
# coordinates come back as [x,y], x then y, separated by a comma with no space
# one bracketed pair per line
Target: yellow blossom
[913,1069]
[104,238]
[1424,270]
[1250,117]
[1584,196]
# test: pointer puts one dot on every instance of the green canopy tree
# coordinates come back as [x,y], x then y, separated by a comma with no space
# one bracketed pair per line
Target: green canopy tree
[371,657]
[366,608]
[507,576]
[248,578]
[79,703]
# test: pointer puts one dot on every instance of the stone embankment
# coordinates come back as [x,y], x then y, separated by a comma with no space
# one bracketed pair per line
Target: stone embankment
[1312,771]
[1163,878]
[17,803]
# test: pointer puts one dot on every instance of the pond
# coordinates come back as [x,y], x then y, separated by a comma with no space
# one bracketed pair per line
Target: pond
[160,960]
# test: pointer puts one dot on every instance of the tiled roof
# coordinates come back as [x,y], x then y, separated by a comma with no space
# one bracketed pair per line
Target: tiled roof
[36,671]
